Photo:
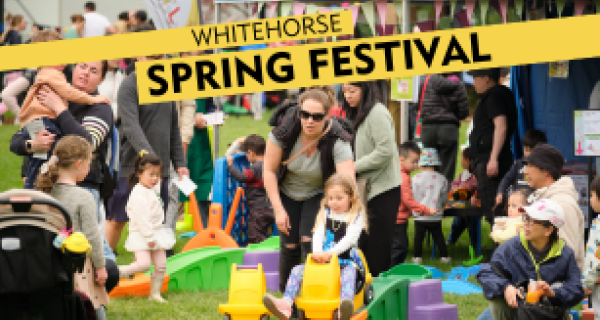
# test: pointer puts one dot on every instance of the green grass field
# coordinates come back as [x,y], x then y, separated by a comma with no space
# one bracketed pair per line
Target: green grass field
[203,304]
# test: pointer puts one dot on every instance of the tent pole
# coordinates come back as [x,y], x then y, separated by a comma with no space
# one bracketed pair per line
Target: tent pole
[217,100]
[2,13]
[404,114]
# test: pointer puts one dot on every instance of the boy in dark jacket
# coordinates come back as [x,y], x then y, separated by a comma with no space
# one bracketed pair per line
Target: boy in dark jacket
[515,177]
[261,212]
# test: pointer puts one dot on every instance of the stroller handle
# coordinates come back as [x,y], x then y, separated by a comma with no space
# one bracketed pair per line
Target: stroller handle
[24,203]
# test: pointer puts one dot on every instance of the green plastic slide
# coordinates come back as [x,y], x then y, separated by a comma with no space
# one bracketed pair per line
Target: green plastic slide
[202,269]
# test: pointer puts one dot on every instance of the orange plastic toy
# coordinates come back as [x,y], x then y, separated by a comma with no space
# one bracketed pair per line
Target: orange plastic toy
[213,235]
[139,286]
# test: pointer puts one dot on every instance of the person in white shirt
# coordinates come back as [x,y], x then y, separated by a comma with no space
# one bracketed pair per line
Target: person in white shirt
[95,23]
[110,86]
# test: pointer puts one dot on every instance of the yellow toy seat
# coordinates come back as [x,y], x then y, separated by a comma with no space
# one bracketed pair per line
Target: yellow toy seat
[246,289]
[320,295]
[320,288]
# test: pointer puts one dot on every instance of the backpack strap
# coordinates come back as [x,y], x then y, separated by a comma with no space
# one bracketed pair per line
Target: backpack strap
[307,146]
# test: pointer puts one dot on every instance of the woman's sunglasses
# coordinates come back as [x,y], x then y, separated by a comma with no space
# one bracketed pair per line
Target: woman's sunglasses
[318,116]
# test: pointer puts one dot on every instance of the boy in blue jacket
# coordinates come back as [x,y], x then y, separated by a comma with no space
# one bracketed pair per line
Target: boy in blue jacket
[538,254]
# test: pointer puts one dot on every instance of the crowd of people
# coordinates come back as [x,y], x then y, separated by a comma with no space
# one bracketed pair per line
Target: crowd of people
[331,175]
[75,119]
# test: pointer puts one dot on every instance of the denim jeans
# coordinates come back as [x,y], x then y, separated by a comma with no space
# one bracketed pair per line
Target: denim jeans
[108,253]
[486,314]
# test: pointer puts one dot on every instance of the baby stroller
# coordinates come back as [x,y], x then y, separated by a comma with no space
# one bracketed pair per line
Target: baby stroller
[36,279]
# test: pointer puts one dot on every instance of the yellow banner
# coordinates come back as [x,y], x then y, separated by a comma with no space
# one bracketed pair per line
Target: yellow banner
[176,40]
[367,59]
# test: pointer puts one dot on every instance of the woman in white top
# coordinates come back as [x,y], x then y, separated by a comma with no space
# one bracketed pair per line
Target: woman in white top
[110,86]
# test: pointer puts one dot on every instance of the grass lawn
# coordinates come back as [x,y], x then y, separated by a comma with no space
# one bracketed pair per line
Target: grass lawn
[204,305]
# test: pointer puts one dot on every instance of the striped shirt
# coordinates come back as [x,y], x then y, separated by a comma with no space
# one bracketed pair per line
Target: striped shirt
[94,123]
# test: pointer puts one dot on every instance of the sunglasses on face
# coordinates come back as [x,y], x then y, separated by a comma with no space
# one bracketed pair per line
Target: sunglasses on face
[317,116]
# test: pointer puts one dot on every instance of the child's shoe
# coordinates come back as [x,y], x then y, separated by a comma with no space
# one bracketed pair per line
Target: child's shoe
[346,309]
[278,307]
[416,260]
[123,274]
[155,286]
[446,259]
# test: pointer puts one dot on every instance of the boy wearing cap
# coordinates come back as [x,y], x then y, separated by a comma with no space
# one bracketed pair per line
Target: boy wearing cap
[494,123]
[537,253]
[543,170]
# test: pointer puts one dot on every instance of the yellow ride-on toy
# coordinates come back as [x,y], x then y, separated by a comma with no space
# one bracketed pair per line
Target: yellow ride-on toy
[320,294]
[246,289]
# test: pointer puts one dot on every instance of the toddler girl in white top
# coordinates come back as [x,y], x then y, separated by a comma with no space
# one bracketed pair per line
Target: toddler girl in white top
[148,239]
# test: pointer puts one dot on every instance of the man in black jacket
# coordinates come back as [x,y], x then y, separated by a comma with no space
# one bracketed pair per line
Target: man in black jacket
[444,104]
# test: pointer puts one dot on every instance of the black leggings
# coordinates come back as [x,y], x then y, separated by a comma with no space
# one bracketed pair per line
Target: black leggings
[435,228]
[376,245]
[302,215]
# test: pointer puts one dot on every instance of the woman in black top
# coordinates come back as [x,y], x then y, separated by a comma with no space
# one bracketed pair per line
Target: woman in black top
[11,35]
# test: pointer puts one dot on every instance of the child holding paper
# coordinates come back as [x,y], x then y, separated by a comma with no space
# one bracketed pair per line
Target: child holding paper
[148,238]
[261,212]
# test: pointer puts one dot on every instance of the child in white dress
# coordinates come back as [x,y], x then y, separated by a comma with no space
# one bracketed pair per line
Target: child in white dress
[148,238]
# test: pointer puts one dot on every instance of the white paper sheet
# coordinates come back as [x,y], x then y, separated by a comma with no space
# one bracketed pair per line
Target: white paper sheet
[186,185]
[215,118]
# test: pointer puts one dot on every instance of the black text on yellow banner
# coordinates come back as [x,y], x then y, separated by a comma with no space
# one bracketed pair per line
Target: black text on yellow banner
[176,40]
[367,59]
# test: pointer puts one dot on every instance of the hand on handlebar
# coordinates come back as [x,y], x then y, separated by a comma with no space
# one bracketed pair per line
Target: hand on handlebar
[321,257]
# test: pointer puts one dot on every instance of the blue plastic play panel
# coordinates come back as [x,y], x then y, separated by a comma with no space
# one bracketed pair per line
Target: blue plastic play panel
[224,188]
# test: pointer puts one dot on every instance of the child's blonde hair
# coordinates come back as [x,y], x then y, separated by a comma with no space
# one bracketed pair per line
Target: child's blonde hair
[349,186]
[68,150]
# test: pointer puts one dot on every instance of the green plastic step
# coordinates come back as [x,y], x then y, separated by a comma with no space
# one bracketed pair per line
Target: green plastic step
[270,244]
[409,271]
[391,299]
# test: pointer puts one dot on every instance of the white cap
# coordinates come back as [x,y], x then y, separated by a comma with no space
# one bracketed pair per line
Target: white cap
[546,210]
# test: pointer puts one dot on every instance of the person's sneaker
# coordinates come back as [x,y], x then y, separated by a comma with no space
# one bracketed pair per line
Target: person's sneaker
[346,309]
[446,259]
[278,307]
[417,260]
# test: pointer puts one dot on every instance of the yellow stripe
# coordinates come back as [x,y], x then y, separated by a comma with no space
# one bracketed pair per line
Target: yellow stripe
[367,59]
[173,40]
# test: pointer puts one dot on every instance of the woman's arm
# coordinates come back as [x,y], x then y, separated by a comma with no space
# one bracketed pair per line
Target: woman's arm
[273,156]
[41,143]
[571,292]
[492,284]
[96,123]
[188,110]
[346,167]
[381,130]
[272,162]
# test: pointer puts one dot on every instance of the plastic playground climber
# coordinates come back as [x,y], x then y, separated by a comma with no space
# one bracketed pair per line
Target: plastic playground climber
[225,261]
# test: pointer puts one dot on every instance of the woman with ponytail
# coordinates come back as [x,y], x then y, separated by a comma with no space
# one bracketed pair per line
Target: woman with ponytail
[70,164]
